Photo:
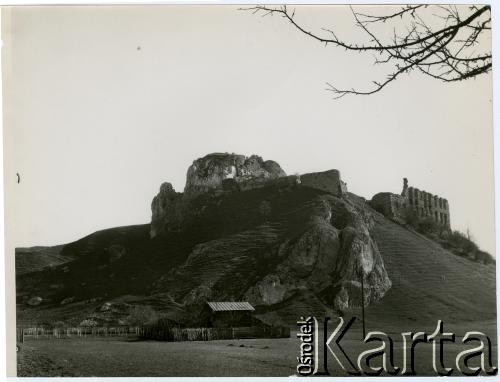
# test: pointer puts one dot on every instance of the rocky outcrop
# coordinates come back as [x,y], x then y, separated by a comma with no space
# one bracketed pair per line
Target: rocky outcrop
[166,209]
[329,258]
[228,172]
[208,172]
[35,301]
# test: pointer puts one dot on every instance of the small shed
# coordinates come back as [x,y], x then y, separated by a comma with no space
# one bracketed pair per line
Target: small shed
[229,314]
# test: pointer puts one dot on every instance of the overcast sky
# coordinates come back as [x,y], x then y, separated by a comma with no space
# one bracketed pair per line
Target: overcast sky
[106,103]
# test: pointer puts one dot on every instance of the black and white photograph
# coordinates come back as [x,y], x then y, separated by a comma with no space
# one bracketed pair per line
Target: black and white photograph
[252,190]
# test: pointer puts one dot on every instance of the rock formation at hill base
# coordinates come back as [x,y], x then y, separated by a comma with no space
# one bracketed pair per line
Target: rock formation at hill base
[329,258]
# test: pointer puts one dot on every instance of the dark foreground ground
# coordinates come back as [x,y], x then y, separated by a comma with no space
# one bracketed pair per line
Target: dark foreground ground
[128,357]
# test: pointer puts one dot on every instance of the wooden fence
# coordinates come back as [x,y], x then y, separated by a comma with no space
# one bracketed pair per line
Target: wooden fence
[163,333]
[37,333]
[156,332]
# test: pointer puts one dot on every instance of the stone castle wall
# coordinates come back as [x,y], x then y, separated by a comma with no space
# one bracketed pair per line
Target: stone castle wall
[329,181]
[390,205]
[424,204]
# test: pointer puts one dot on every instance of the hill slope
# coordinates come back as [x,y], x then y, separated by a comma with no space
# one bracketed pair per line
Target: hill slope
[290,250]
[37,258]
[430,283]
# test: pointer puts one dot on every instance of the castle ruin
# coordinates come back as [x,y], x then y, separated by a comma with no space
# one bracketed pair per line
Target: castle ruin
[329,181]
[424,204]
[224,172]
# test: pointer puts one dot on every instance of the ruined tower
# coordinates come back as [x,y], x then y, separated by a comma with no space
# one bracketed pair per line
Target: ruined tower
[424,204]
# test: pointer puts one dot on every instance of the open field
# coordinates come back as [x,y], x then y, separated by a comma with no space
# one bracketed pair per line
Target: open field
[107,357]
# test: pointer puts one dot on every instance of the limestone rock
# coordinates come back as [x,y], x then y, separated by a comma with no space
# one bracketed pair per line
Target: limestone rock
[35,301]
[329,258]
[166,209]
[273,289]
[208,172]
[359,258]
[224,172]
[106,306]
[67,300]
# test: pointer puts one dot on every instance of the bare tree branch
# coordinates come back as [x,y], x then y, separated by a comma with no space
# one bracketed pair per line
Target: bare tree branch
[447,52]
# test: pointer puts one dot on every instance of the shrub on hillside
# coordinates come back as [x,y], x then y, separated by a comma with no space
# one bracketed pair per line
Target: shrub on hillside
[484,257]
[425,225]
[462,245]
[411,217]
[429,227]
[454,241]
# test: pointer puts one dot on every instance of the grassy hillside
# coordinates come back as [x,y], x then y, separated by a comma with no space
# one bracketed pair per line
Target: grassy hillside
[430,283]
[37,258]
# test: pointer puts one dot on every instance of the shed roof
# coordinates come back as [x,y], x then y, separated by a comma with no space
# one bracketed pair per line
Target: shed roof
[229,306]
